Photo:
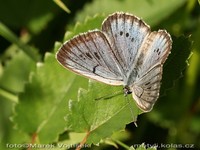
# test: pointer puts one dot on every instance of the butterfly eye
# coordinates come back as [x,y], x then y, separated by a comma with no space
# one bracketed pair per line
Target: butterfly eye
[121,33]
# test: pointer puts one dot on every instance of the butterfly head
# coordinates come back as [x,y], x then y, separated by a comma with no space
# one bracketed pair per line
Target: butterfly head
[127,90]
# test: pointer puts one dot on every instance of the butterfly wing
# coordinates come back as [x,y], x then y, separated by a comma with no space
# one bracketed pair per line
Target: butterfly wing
[146,89]
[155,49]
[125,52]
[90,55]
[153,53]
[126,34]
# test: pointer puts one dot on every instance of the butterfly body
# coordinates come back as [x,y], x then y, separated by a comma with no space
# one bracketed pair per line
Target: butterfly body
[125,52]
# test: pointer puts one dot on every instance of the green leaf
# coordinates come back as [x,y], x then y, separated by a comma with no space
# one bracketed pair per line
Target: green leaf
[176,62]
[10,36]
[34,15]
[43,104]
[152,11]
[100,118]
[71,142]
[172,71]
[13,137]
[90,23]
[15,73]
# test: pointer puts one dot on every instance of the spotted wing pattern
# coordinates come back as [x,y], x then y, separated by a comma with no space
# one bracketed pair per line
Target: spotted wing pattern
[126,34]
[90,55]
[145,90]
[149,61]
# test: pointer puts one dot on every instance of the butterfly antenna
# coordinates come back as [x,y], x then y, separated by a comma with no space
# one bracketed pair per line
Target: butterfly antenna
[109,96]
[131,110]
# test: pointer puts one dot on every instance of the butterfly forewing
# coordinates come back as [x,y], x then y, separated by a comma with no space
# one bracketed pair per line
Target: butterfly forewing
[155,49]
[90,55]
[126,33]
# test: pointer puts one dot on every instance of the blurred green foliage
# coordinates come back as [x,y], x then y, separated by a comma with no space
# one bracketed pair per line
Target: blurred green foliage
[38,98]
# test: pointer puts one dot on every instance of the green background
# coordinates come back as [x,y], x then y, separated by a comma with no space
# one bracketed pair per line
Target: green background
[42,103]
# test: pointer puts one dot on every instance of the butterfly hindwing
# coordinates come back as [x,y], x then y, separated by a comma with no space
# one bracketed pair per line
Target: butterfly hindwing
[145,91]
[153,53]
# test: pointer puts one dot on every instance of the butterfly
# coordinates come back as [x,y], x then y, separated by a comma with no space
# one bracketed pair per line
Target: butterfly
[124,52]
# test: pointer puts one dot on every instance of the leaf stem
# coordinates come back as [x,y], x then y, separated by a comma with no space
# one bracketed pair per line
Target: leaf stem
[34,136]
[10,36]
[121,144]
[83,141]
[62,5]
[8,95]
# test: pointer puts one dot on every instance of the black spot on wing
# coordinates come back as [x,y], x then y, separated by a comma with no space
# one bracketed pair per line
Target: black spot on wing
[82,56]
[88,54]
[157,51]
[147,83]
[96,55]
[149,88]
[132,39]
[94,68]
